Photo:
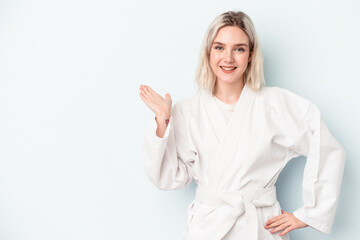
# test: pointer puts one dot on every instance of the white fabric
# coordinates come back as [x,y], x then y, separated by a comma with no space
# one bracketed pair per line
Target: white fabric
[265,131]
[225,109]
[240,202]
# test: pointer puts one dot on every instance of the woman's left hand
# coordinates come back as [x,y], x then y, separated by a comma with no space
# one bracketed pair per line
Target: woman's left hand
[285,221]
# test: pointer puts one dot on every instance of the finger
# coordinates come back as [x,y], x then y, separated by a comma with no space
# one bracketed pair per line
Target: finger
[274,219]
[282,215]
[287,230]
[151,92]
[150,89]
[276,223]
[146,89]
[143,91]
[281,227]
[143,97]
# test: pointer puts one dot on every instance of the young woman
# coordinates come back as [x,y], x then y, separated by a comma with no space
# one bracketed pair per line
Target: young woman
[233,139]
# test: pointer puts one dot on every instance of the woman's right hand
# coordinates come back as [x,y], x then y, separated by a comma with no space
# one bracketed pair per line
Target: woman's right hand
[159,105]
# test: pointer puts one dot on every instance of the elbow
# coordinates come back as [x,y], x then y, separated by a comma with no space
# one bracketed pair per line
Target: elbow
[165,182]
[338,152]
[167,186]
[342,154]
[161,185]
[156,180]
[171,184]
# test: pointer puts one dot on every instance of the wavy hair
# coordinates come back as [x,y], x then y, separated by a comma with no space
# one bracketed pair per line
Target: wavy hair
[254,73]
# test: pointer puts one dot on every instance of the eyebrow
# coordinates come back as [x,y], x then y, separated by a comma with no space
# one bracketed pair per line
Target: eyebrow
[237,45]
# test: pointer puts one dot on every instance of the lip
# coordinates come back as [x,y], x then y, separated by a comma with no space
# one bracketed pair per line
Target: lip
[228,71]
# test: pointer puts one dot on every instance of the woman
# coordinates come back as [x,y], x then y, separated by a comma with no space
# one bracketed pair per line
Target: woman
[233,139]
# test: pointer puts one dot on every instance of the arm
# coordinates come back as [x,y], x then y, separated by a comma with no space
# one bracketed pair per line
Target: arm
[322,174]
[322,177]
[165,155]
[164,165]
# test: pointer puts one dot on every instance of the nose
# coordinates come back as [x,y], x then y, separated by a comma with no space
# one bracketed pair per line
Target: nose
[229,58]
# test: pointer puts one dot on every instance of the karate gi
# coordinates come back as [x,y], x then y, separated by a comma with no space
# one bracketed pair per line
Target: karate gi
[235,162]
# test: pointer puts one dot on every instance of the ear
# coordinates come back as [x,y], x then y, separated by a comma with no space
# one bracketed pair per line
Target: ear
[250,56]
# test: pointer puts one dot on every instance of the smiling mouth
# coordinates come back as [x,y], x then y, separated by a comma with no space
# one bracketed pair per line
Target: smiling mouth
[228,68]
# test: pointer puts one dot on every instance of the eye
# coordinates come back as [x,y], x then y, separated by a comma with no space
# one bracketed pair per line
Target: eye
[218,48]
[240,50]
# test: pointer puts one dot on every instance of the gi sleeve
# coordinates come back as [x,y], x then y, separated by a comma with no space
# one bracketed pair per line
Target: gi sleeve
[166,160]
[322,174]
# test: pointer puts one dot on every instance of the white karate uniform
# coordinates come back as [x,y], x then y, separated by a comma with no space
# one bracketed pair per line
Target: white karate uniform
[235,155]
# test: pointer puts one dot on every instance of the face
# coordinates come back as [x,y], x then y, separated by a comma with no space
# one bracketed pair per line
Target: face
[230,54]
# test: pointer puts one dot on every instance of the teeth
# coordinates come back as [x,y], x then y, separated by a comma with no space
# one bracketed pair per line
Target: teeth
[228,69]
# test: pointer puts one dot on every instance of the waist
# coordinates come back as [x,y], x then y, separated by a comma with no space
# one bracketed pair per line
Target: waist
[258,197]
[241,202]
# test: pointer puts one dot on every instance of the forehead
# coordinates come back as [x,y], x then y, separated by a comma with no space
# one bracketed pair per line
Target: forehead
[231,35]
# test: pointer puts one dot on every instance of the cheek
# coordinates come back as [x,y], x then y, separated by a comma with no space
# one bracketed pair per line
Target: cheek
[244,60]
[213,61]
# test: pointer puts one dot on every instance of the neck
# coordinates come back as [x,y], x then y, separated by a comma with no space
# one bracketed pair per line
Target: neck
[228,92]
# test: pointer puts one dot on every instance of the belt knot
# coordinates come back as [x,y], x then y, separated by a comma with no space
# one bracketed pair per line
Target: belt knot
[243,202]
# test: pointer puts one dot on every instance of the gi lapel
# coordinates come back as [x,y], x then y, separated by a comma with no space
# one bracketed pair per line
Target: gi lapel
[228,136]
[213,113]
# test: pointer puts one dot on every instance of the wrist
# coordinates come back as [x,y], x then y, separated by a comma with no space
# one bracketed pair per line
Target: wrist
[162,119]
[162,116]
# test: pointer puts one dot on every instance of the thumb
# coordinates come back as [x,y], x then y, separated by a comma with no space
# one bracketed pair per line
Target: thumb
[167,96]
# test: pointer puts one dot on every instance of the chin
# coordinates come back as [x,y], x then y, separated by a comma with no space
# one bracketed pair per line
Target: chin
[229,80]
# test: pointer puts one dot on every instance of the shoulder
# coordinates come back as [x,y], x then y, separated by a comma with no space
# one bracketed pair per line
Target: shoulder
[283,101]
[187,105]
[279,94]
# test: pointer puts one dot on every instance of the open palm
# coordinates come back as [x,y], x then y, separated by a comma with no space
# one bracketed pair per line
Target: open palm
[159,105]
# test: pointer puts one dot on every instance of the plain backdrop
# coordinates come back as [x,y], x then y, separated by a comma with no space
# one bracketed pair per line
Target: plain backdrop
[72,122]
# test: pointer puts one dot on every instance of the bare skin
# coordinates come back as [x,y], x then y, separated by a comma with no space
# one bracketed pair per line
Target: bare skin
[159,105]
[285,222]
[229,58]
[231,49]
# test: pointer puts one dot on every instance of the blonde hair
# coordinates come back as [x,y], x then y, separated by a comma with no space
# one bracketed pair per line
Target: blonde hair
[254,73]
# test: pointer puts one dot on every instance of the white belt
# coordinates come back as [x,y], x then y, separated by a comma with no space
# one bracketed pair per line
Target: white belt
[243,202]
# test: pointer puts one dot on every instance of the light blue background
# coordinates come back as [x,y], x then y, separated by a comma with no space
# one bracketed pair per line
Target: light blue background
[72,122]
